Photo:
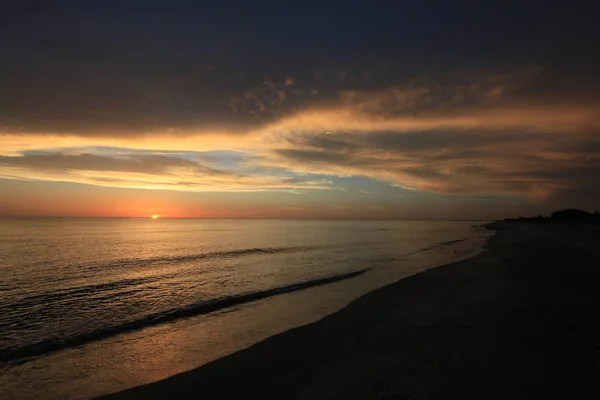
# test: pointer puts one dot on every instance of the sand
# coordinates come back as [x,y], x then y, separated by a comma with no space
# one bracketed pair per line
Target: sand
[520,320]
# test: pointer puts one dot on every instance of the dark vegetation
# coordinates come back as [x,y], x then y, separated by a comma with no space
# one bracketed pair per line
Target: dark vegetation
[569,215]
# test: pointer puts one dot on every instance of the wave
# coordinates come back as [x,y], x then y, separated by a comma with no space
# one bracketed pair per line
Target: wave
[193,257]
[435,246]
[51,345]
[79,292]
[86,290]
[83,291]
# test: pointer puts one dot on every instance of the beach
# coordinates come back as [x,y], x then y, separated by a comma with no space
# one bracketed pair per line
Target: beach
[130,302]
[519,320]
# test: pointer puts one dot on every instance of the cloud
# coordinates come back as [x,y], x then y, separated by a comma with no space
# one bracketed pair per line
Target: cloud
[538,118]
[104,70]
[152,164]
[311,156]
[422,94]
[455,162]
[368,192]
[495,134]
[133,169]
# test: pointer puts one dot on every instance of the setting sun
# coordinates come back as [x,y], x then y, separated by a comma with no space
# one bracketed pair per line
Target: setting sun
[155,216]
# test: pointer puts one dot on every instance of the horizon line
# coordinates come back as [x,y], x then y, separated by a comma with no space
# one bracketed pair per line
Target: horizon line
[240,218]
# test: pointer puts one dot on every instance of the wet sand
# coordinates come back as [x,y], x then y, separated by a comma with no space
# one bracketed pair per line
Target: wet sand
[520,320]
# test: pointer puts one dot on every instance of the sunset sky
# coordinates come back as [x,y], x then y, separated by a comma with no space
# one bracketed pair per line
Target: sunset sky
[303,109]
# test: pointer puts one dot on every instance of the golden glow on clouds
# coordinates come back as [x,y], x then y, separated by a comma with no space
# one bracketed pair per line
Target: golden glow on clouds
[558,118]
[180,179]
[494,144]
[13,144]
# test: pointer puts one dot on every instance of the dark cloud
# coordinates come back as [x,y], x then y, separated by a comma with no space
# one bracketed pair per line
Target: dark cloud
[547,167]
[583,196]
[426,172]
[448,143]
[462,98]
[310,156]
[443,140]
[121,67]
[324,142]
[571,171]
[121,167]
[472,170]
[142,164]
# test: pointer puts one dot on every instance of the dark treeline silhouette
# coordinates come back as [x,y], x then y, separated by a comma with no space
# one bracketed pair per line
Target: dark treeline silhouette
[570,215]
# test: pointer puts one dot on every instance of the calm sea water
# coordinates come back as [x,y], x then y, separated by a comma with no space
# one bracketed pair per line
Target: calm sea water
[93,306]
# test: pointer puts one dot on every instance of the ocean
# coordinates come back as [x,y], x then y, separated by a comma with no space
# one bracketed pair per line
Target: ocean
[93,306]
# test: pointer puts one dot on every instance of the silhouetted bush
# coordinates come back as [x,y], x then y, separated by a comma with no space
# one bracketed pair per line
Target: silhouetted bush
[570,215]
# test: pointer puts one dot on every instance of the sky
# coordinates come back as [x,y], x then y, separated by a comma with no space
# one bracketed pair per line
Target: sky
[298,109]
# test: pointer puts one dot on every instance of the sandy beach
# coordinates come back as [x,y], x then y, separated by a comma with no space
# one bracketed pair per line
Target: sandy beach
[520,320]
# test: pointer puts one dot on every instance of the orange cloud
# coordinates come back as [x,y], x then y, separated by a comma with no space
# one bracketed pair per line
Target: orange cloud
[483,136]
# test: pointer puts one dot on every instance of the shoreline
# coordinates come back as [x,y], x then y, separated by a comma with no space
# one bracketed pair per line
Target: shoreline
[484,327]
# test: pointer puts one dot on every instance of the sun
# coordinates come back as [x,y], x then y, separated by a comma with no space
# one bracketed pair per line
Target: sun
[155,216]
